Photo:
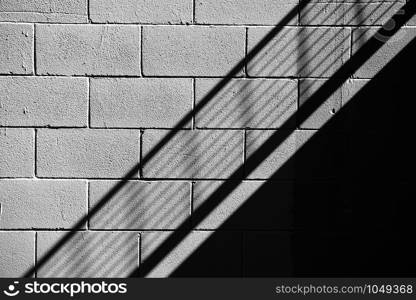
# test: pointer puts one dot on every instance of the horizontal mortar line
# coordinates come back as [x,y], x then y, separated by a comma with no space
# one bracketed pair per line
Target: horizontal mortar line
[140,179]
[167,180]
[167,230]
[253,128]
[187,179]
[44,13]
[166,128]
[44,127]
[282,180]
[245,77]
[141,128]
[186,129]
[344,230]
[196,129]
[164,179]
[213,230]
[16,75]
[204,24]
[114,76]
[94,128]
[17,177]
[36,229]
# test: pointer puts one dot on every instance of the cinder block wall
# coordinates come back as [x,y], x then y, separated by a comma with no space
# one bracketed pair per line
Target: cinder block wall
[88,88]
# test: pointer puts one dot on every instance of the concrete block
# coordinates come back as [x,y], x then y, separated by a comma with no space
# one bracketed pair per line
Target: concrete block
[88,50]
[43,101]
[17,152]
[141,205]
[44,11]
[138,103]
[39,204]
[245,103]
[194,154]
[86,153]
[141,11]
[191,51]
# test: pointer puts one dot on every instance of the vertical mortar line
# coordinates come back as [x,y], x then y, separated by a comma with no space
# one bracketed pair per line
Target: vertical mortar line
[34,50]
[193,11]
[89,102]
[88,11]
[141,51]
[36,254]
[35,153]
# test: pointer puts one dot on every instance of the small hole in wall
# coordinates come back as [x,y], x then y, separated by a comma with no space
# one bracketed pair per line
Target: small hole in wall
[333,111]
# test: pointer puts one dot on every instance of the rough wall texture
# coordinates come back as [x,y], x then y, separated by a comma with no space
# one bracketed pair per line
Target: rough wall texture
[88,88]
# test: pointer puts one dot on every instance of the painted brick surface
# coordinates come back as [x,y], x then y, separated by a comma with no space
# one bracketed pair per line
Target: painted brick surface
[87,50]
[61,11]
[194,154]
[331,106]
[142,11]
[382,57]
[17,156]
[88,89]
[280,159]
[191,51]
[43,101]
[86,153]
[275,209]
[305,52]
[131,102]
[17,251]
[90,254]
[288,161]
[141,205]
[376,13]
[266,12]
[39,204]
[247,103]
[16,48]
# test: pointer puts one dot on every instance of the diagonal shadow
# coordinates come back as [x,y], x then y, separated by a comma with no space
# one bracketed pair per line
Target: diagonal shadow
[47,254]
[353,224]
[156,220]
[326,90]
[191,176]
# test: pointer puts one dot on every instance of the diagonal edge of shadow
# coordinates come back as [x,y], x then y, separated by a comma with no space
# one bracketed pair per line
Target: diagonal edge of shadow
[115,189]
[332,84]
[187,118]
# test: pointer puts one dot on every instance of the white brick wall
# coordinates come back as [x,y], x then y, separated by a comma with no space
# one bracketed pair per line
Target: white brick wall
[88,88]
